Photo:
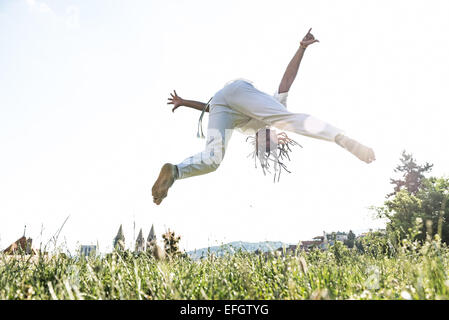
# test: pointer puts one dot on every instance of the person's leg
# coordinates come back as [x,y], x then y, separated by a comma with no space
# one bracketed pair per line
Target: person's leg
[244,98]
[166,178]
[222,121]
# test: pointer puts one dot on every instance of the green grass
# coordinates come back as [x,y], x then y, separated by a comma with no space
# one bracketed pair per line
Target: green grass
[413,271]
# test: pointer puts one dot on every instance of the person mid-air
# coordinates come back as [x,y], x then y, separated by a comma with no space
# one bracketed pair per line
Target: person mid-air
[239,105]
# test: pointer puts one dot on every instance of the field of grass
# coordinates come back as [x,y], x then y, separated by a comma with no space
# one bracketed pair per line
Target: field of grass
[412,271]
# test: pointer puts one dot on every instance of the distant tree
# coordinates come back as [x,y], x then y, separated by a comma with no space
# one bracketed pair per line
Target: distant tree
[412,174]
[374,243]
[417,198]
[429,204]
[351,239]
[171,243]
[435,199]
[334,236]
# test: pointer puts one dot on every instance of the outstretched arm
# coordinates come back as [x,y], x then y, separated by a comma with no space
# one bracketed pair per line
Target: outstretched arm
[293,66]
[177,102]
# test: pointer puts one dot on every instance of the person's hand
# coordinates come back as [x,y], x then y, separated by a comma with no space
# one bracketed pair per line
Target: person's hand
[175,100]
[308,39]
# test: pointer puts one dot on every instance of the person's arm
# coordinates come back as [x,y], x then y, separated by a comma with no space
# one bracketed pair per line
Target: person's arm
[177,102]
[293,66]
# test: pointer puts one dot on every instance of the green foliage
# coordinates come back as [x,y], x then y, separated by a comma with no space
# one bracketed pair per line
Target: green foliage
[434,196]
[415,270]
[376,244]
[350,242]
[428,205]
[417,198]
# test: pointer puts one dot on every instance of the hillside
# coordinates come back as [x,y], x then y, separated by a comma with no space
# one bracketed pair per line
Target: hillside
[235,246]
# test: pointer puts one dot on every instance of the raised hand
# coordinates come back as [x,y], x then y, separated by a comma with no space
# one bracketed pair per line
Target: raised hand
[308,39]
[175,100]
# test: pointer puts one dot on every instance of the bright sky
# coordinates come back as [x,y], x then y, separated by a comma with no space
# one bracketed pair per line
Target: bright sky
[84,125]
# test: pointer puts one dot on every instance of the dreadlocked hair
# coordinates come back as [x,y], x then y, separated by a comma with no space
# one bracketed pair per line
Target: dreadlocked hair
[271,149]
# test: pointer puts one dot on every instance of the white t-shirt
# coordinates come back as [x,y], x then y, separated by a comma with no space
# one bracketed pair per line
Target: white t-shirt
[253,125]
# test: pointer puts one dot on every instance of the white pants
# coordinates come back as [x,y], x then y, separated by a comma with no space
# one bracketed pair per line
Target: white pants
[236,105]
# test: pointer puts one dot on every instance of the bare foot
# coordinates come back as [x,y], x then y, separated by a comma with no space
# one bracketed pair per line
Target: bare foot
[166,178]
[362,152]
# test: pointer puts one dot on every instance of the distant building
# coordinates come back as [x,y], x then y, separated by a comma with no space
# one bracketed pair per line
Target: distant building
[151,240]
[151,235]
[119,240]
[88,250]
[336,236]
[149,245]
[318,242]
[140,243]
[22,245]
[342,237]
